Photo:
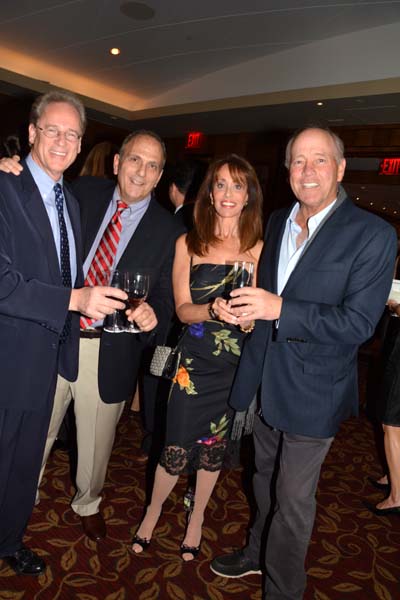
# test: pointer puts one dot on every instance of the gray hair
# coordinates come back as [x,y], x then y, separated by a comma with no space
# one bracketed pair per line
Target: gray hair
[140,133]
[338,143]
[42,102]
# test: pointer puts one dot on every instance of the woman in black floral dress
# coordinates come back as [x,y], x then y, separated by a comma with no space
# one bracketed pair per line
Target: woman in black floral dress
[228,228]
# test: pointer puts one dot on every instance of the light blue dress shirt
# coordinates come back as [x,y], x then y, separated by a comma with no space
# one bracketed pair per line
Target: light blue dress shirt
[289,254]
[46,188]
[130,219]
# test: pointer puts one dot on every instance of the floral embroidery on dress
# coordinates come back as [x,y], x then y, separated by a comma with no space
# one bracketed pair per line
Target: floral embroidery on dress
[182,378]
[218,432]
[224,341]
[196,330]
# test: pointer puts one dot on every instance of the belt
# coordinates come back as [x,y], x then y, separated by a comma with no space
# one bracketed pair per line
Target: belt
[90,333]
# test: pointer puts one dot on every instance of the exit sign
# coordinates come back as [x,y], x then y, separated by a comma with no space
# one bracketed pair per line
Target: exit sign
[389,166]
[194,140]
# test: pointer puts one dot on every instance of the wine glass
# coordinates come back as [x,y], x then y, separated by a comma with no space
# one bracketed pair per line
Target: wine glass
[240,275]
[243,272]
[116,322]
[137,287]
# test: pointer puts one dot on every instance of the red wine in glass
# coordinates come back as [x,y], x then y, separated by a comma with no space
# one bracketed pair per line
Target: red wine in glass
[137,288]
[135,300]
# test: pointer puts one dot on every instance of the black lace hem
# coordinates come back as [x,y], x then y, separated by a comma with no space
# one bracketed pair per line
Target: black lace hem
[176,459]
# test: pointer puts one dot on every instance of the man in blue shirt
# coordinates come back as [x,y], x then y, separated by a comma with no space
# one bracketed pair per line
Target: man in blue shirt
[40,298]
[323,279]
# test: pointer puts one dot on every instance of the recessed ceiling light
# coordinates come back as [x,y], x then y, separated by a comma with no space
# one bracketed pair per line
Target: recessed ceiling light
[137,10]
[358,197]
[115,51]
[320,103]
[371,203]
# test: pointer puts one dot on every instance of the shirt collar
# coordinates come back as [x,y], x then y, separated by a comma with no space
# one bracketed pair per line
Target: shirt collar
[44,182]
[313,221]
[134,207]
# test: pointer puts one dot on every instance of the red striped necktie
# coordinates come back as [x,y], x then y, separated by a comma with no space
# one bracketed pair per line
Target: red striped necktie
[103,260]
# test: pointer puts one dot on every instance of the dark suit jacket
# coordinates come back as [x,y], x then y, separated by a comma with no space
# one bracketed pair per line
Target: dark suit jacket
[33,301]
[307,367]
[151,247]
[185,216]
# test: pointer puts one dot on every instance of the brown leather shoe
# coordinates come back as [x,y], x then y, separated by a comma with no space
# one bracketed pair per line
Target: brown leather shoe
[94,527]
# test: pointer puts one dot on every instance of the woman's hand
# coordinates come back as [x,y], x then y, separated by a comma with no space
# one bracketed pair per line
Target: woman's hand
[221,309]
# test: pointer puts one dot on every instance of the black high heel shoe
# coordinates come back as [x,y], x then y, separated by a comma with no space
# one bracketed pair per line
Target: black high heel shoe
[381,512]
[144,543]
[193,550]
[185,549]
[384,487]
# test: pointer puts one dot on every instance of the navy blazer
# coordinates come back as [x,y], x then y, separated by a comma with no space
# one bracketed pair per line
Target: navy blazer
[332,301]
[152,247]
[33,301]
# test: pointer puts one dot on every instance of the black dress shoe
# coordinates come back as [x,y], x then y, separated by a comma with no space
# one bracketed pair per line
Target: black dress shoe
[381,512]
[384,487]
[26,562]
[94,527]
[234,565]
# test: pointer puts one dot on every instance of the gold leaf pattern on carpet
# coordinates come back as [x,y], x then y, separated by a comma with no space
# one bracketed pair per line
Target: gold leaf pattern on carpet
[353,554]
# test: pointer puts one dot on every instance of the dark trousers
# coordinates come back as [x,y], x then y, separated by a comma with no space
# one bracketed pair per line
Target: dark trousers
[155,392]
[297,460]
[22,440]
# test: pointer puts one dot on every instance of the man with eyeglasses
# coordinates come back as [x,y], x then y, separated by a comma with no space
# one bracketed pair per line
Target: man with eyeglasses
[109,362]
[41,296]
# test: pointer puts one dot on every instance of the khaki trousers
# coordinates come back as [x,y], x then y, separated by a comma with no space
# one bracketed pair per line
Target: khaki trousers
[96,424]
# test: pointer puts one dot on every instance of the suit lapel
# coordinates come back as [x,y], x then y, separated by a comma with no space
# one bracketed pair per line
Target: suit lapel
[92,220]
[268,269]
[325,235]
[39,219]
[142,237]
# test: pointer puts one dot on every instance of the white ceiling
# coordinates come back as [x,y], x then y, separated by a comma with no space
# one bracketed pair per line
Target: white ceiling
[267,61]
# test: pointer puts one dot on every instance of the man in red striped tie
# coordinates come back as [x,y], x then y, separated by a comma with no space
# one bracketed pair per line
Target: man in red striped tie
[123,227]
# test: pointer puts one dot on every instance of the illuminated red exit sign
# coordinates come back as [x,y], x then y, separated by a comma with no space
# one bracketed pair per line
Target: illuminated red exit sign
[194,140]
[389,166]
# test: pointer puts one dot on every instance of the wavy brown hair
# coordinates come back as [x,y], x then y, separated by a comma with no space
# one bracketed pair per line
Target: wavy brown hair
[250,221]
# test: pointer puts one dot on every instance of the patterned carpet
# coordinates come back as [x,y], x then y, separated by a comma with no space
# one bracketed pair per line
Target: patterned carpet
[353,555]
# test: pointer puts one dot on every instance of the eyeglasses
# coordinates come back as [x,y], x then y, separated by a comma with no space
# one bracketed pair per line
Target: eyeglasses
[54,132]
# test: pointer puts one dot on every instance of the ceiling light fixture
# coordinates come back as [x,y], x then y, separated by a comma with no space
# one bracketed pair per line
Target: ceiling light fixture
[320,103]
[115,51]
